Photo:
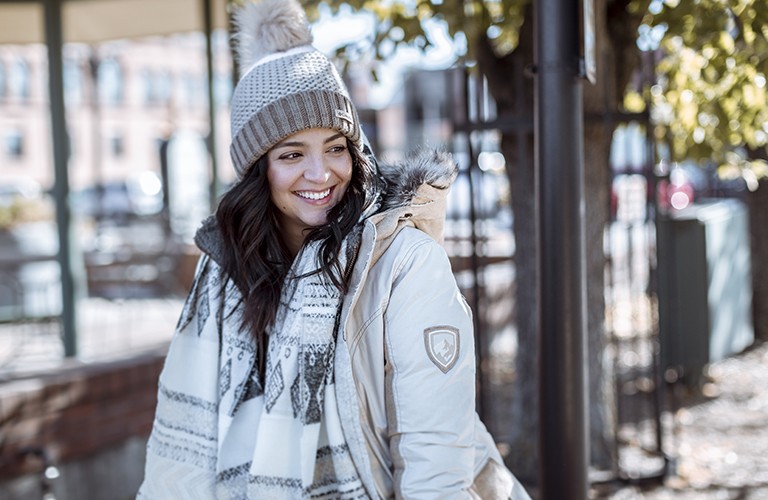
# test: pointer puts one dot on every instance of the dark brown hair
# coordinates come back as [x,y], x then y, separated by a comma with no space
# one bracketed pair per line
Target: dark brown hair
[254,256]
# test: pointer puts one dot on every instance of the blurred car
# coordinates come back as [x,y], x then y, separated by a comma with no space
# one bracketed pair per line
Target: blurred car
[676,188]
[679,190]
[137,196]
[19,189]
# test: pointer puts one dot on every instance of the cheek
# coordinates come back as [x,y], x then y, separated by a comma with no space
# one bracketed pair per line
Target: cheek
[271,183]
[278,183]
[345,171]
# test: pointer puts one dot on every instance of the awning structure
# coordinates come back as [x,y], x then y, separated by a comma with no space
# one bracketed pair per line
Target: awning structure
[55,22]
[90,21]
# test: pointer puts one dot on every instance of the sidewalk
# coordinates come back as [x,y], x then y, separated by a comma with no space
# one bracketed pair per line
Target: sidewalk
[719,443]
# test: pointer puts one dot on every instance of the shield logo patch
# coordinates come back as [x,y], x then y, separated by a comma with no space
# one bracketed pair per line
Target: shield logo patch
[442,343]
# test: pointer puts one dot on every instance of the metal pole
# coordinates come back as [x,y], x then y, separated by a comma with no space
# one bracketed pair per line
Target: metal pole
[208,27]
[481,406]
[563,435]
[54,41]
[98,167]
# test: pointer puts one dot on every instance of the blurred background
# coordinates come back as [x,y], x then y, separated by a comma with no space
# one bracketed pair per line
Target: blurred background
[114,137]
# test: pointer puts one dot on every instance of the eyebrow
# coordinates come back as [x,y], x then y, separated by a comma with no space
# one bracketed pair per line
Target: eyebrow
[293,144]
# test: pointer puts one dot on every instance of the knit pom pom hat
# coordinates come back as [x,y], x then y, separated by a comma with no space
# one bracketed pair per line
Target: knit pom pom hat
[286,84]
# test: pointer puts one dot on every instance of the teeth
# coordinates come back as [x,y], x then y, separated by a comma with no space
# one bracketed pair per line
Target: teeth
[313,195]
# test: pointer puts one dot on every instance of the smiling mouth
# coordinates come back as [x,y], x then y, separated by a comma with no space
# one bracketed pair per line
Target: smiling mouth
[314,195]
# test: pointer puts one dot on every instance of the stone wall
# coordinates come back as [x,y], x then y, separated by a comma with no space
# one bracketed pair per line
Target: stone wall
[87,424]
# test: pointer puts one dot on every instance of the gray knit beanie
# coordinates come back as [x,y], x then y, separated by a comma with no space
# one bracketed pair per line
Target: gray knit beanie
[286,84]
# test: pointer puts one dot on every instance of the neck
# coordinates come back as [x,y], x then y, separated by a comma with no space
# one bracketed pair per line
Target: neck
[293,243]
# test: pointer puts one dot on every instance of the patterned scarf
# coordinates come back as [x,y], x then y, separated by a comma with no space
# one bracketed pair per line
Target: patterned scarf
[286,438]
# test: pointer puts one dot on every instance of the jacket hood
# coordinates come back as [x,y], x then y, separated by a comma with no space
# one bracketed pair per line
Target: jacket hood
[422,168]
[415,195]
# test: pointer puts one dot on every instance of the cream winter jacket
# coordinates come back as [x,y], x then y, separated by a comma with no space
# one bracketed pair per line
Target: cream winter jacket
[410,346]
[404,361]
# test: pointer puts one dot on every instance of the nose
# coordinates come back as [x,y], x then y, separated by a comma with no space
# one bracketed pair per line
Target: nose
[317,171]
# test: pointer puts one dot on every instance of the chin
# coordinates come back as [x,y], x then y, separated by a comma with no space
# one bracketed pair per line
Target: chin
[314,223]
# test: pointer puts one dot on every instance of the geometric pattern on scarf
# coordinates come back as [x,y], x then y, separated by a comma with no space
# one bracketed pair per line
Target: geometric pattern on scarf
[297,444]
[235,438]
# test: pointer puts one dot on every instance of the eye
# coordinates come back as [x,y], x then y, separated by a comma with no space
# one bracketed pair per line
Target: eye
[338,148]
[289,156]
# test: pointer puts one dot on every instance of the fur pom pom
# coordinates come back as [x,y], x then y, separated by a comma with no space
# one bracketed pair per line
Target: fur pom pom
[268,26]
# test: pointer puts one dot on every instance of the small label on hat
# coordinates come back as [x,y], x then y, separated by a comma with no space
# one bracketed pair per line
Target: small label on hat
[344,115]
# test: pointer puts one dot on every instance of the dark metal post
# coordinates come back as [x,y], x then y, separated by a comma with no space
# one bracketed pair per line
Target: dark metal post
[208,27]
[98,166]
[559,168]
[481,406]
[54,40]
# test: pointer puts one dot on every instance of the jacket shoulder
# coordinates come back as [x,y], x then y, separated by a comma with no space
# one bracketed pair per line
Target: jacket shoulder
[411,243]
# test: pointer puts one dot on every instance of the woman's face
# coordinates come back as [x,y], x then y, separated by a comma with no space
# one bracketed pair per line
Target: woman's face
[308,174]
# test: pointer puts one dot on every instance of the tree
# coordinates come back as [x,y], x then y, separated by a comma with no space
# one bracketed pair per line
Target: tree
[711,104]
[711,99]
[498,37]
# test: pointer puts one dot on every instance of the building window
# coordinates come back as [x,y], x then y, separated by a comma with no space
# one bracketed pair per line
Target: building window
[158,86]
[110,76]
[192,90]
[223,88]
[150,89]
[117,146]
[18,80]
[73,82]
[164,86]
[3,79]
[14,145]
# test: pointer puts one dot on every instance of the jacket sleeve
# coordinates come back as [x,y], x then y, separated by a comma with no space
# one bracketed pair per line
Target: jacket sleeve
[429,377]
[182,448]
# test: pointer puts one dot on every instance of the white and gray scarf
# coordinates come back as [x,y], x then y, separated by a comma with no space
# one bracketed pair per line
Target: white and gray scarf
[289,436]
[217,429]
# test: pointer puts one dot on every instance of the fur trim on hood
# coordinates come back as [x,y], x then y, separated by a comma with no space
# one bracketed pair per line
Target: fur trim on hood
[403,180]
[415,195]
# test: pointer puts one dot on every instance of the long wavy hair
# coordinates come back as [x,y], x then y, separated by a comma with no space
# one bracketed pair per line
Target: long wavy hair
[256,259]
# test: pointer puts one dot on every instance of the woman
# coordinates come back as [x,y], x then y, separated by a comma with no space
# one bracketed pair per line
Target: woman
[324,350]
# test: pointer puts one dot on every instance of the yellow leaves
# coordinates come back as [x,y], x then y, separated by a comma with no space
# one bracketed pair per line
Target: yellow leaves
[712,95]
[760,168]
[687,113]
[495,10]
[711,74]
[730,169]
[380,10]
[680,147]
[707,80]
[753,96]
[691,64]
[708,53]
[638,6]
[726,42]
[634,102]
[749,34]
[505,42]
[752,171]
[729,104]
